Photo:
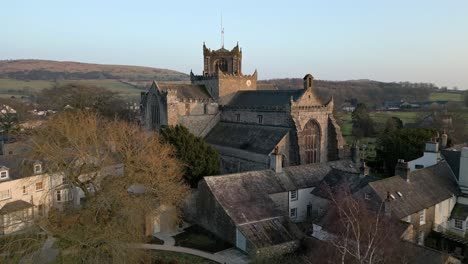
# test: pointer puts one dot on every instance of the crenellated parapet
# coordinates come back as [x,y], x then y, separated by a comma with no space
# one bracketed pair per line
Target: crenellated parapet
[227,61]
[221,75]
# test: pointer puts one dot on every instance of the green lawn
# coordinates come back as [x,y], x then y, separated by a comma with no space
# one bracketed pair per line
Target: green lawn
[444,96]
[198,238]
[124,89]
[406,117]
[9,87]
[379,118]
[12,84]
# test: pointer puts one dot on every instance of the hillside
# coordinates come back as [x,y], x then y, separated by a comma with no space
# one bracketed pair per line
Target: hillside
[373,93]
[19,78]
[66,70]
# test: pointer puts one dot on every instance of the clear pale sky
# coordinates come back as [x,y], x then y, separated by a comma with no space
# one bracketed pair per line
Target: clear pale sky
[398,40]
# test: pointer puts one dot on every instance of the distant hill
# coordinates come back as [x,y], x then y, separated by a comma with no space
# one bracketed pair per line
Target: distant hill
[66,70]
[373,93]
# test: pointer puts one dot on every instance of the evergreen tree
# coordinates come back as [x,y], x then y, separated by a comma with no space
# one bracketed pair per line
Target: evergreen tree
[199,157]
[363,126]
[405,143]
[393,123]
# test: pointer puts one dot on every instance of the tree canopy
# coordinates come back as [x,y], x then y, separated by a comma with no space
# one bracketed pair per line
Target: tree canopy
[405,143]
[363,126]
[393,123]
[83,97]
[199,157]
[88,150]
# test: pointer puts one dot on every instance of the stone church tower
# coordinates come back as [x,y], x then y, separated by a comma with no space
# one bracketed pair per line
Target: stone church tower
[246,123]
[222,74]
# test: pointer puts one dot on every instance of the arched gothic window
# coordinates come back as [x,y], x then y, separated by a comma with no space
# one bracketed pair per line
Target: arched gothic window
[311,134]
[155,115]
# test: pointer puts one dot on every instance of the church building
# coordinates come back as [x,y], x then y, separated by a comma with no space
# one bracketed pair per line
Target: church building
[246,123]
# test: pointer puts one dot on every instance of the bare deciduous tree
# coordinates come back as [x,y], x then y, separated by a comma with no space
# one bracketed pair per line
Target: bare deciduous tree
[89,151]
[360,235]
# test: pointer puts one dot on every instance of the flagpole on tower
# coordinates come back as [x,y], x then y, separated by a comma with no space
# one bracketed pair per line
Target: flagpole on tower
[222,32]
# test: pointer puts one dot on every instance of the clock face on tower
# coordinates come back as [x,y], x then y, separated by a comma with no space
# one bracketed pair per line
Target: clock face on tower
[248,82]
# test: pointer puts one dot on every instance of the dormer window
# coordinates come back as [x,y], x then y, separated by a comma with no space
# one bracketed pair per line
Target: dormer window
[37,168]
[4,173]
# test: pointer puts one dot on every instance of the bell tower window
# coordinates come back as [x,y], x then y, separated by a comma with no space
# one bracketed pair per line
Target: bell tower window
[222,65]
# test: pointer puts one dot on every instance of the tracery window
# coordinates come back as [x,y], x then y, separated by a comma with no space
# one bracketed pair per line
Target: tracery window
[311,134]
[155,115]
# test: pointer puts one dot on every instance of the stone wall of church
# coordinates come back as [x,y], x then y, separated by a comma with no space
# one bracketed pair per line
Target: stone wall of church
[224,86]
[153,98]
[320,115]
[251,116]
[230,84]
[195,115]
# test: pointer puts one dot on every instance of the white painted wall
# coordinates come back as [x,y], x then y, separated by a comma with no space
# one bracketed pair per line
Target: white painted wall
[428,159]
[241,242]
[463,173]
[304,198]
[33,196]
[443,210]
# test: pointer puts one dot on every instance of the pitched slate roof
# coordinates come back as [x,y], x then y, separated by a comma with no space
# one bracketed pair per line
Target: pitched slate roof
[187,91]
[427,187]
[265,97]
[452,156]
[246,196]
[19,167]
[253,138]
[15,206]
[459,211]
[268,232]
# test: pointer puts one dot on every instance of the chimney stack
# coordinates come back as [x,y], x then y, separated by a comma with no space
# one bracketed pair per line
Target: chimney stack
[387,209]
[355,152]
[443,140]
[402,169]
[364,169]
[432,146]
[276,161]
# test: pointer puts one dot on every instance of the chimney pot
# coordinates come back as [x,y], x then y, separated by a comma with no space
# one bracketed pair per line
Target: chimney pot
[402,169]
[276,161]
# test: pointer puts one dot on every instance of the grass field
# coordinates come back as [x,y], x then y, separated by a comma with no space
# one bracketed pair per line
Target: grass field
[406,117]
[379,118]
[11,87]
[443,96]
